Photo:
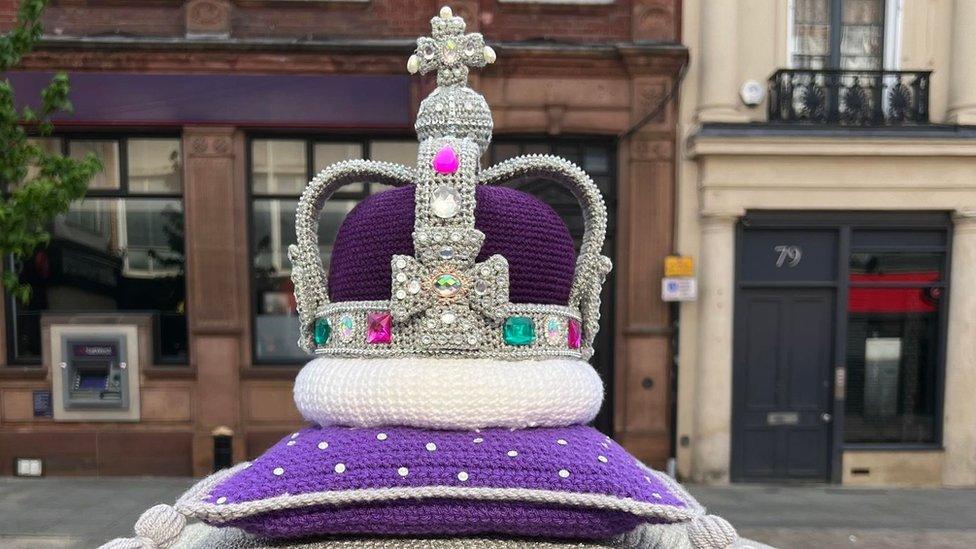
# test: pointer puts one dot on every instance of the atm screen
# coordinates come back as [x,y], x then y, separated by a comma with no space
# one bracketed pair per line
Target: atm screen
[91,380]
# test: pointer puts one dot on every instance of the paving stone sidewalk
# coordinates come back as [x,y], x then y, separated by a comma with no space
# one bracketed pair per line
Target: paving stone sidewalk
[84,512]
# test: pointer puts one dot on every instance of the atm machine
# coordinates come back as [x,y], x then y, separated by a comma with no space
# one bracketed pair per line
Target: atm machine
[95,372]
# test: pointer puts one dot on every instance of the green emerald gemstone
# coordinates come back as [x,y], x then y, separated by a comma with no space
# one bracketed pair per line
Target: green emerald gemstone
[322,331]
[519,330]
[447,285]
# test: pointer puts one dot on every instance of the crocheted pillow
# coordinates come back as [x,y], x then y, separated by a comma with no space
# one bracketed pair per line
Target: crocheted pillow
[563,482]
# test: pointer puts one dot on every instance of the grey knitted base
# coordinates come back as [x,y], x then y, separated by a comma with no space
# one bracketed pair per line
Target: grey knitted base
[202,536]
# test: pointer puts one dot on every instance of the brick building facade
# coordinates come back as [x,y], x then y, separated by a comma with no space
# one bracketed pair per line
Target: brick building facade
[211,114]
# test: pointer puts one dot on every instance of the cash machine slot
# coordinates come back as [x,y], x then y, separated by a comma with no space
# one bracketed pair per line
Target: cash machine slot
[95,369]
[95,376]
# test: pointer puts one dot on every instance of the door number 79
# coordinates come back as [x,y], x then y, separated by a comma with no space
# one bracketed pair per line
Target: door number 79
[788,255]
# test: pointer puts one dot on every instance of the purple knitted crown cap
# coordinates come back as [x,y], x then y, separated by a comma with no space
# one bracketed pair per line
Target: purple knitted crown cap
[523,229]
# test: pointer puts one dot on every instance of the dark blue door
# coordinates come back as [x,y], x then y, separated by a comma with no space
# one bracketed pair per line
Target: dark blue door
[782,384]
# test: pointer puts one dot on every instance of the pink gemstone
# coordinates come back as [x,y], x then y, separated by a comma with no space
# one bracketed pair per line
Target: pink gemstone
[379,328]
[575,335]
[446,160]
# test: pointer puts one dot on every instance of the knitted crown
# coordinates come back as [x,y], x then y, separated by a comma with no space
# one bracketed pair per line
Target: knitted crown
[448,264]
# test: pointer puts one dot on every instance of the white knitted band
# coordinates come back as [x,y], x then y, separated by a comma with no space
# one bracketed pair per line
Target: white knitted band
[448,393]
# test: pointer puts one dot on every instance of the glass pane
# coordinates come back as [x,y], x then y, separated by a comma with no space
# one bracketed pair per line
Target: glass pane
[596,160]
[811,34]
[108,152]
[399,152]
[504,151]
[862,12]
[326,154]
[154,166]
[110,255]
[50,145]
[891,366]
[278,166]
[273,227]
[570,152]
[862,34]
[896,266]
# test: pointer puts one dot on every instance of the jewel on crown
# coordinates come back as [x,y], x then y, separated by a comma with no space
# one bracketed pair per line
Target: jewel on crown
[443,301]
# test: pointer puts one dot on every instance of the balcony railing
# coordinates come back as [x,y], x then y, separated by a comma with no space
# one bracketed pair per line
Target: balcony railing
[849,97]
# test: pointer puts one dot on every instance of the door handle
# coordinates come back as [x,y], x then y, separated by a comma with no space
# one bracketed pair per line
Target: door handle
[826,417]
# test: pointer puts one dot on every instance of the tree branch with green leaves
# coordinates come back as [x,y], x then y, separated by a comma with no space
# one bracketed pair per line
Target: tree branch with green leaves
[35,185]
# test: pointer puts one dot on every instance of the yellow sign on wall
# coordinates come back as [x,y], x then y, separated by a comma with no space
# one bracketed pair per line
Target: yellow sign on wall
[679,266]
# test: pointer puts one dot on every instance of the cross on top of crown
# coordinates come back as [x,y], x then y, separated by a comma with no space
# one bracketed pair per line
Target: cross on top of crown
[449,51]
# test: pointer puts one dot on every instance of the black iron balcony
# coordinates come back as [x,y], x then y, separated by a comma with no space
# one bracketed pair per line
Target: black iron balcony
[849,97]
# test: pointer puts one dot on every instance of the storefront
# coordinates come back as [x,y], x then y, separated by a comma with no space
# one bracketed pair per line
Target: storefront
[210,116]
[838,342]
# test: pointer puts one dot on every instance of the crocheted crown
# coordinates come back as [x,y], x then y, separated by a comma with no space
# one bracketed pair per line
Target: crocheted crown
[450,264]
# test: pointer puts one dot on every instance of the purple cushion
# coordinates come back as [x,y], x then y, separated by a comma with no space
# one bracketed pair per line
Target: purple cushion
[526,231]
[442,517]
[553,482]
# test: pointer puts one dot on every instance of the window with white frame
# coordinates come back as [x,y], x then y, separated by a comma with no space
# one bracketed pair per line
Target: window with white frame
[844,34]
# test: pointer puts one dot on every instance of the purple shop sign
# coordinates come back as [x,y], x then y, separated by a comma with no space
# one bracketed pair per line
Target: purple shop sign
[306,101]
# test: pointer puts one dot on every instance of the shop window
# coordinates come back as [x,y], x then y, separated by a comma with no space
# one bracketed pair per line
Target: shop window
[120,249]
[280,169]
[894,334]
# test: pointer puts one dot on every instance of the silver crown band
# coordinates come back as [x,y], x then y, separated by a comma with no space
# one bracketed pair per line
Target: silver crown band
[426,335]
[443,303]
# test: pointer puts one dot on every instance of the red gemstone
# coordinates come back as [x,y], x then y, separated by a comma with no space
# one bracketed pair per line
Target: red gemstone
[379,327]
[575,335]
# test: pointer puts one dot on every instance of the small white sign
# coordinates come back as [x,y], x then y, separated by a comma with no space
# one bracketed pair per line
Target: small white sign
[679,289]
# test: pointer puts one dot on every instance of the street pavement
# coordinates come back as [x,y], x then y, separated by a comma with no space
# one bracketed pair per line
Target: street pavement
[84,512]
[818,516]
